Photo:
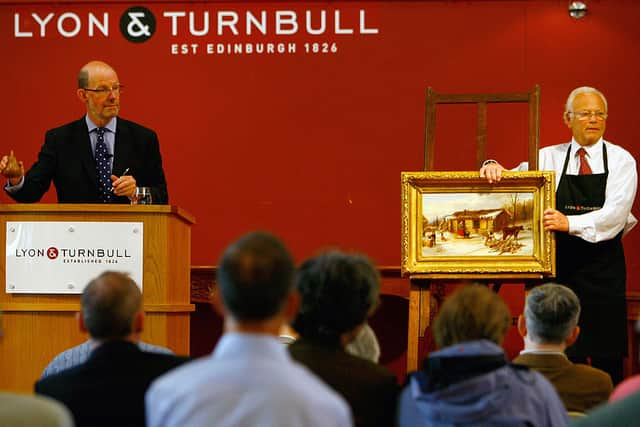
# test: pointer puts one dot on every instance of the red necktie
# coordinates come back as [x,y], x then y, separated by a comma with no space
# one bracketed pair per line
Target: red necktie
[585,169]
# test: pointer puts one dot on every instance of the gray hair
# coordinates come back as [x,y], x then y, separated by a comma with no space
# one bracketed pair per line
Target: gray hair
[583,89]
[365,345]
[551,313]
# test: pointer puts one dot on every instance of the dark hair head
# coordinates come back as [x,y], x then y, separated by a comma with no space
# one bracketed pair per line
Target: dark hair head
[255,275]
[109,304]
[471,313]
[338,291]
[551,313]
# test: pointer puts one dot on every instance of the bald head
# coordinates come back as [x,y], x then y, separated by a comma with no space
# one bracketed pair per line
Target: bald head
[93,69]
[99,90]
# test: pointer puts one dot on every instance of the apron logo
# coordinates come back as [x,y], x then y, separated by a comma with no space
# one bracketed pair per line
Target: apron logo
[580,208]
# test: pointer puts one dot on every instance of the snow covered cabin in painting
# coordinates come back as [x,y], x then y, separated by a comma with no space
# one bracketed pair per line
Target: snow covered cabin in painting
[482,222]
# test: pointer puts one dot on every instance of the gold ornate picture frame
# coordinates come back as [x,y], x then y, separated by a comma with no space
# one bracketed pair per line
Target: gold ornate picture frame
[457,225]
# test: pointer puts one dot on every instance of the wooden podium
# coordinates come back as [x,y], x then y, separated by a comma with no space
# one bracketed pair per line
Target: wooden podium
[36,327]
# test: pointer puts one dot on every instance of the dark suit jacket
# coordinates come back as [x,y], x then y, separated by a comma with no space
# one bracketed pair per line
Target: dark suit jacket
[580,387]
[67,160]
[108,389]
[370,389]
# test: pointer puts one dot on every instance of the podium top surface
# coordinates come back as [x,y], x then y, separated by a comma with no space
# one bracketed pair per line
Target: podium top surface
[44,208]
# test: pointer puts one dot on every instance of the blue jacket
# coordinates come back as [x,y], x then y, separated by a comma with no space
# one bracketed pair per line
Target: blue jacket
[472,384]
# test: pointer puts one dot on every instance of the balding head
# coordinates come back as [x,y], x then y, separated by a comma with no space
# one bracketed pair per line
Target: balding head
[99,90]
[91,70]
[110,303]
[255,277]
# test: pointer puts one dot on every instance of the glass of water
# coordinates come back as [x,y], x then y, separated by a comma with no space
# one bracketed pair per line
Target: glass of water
[142,196]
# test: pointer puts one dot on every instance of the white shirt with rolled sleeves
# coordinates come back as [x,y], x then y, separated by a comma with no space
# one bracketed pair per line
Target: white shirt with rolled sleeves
[622,182]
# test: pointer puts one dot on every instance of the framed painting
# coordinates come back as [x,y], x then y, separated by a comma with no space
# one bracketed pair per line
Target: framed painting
[457,225]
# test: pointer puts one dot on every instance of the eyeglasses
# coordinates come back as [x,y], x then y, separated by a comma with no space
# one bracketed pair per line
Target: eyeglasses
[586,115]
[117,89]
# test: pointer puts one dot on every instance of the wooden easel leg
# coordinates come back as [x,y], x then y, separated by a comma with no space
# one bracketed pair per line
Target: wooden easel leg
[419,310]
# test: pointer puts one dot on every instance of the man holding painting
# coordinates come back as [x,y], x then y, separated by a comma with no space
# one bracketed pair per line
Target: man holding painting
[595,188]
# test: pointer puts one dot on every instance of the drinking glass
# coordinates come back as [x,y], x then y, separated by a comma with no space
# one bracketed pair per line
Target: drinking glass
[142,196]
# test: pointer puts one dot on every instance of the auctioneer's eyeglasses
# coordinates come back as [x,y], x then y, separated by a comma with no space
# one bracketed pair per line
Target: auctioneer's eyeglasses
[586,115]
[117,89]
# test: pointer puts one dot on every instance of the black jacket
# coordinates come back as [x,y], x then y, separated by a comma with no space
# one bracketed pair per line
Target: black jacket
[108,389]
[66,159]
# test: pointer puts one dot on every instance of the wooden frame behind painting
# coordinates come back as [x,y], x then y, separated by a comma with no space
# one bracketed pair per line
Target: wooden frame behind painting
[457,225]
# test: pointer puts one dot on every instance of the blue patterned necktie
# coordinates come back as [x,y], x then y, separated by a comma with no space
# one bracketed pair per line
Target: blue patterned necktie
[103,169]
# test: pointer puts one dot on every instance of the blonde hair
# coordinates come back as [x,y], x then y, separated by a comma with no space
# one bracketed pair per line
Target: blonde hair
[471,313]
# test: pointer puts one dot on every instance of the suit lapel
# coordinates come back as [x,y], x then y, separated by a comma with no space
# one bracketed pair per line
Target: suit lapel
[122,149]
[83,143]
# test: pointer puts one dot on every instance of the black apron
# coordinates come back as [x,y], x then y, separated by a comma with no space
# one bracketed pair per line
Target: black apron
[595,271]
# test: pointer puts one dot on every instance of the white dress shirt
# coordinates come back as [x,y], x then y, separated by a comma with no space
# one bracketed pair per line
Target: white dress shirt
[249,380]
[622,182]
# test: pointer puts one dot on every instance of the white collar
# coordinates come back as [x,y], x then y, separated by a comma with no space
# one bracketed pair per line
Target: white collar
[111,126]
[590,149]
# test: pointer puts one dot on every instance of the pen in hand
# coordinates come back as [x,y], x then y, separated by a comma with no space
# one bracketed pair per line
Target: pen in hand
[123,174]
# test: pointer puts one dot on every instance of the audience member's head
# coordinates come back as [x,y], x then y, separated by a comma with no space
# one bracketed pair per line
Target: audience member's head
[471,313]
[111,307]
[255,277]
[338,292]
[551,315]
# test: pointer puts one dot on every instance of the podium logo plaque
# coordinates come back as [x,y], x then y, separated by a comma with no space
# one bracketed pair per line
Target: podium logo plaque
[62,257]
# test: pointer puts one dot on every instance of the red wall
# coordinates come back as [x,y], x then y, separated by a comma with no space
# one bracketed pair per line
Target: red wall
[311,146]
